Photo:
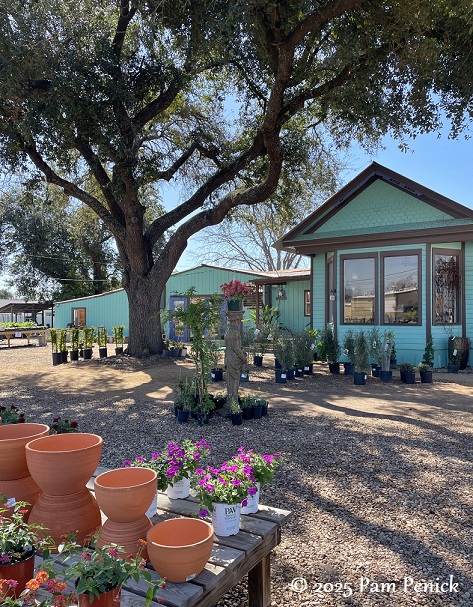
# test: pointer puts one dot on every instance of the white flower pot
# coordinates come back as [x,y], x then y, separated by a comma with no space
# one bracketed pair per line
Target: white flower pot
[226,519]
[179,490]
[153,507]
[253,502]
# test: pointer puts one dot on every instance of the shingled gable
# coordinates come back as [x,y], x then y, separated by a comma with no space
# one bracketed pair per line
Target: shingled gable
[305,239]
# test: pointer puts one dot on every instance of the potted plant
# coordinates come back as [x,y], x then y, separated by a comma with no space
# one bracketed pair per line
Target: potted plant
[246,407]
[262,467]
[11,415]
[222,491]
[303,354]
[102,338]
[19,541]
[454,355]
[429,353]
[216,371]
[63,345]
[118,338]
[185,399]
[425,372]
[360,357]
[283,354]
[100,574]
[349,351]
[63,426]
[53,593]
[235,412]
[88,334]
[332,349]
[54,337]
[408,373]
[393,359]
[74,344]
[234,292]
[376,351]
[385,373]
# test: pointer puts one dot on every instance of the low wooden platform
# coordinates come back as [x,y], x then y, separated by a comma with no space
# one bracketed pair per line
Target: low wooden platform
[232,558]
[10,333]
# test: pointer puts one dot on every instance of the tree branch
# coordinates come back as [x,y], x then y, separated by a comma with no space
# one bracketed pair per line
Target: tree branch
[126,15]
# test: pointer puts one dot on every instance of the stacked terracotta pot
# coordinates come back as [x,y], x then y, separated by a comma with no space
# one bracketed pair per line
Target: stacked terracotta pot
[15,479]
[61,465]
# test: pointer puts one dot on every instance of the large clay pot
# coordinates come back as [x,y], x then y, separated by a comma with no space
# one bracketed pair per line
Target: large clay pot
[13,438]
[63,463]
[22,572]
[107,599]
[180,548]
[76,513]
[125,494]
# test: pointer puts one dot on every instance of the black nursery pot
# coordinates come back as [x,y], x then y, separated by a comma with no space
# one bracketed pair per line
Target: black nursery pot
[216,375]
[74,354]
[258,361]
[247,412]
[309,369]
[385,376]
[237,419]
[281,376]
[257,411]
[57,358]
[334,368]
[103,352]
[182,416]
[119,351]
[299,370]
[87,353]
[291,374]
[349,368]
[359,378]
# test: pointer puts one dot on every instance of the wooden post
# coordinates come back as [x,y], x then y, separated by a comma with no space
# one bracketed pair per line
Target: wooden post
[259,583]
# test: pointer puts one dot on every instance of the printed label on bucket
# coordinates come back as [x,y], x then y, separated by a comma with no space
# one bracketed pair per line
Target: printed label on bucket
[179,490]
[153,508]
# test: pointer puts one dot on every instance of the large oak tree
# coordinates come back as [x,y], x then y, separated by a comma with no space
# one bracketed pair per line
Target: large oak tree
[209,94]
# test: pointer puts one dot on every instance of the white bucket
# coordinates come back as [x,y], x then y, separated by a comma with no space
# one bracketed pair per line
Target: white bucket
[253,502]
[226,519]
[179,490]
[154,506]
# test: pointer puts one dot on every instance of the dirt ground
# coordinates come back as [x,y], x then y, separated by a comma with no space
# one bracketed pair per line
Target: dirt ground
[378,477]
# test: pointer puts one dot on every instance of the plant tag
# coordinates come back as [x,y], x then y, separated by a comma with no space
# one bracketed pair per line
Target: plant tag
[455,352]
[283,376]
[11,501]
[306,368]
[190,577]
[212,375]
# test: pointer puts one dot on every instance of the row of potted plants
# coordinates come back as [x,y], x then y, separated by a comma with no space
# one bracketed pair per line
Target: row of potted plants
[82,340]
[14,415]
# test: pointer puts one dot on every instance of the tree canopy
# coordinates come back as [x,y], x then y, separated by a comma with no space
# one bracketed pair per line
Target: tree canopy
[212,94]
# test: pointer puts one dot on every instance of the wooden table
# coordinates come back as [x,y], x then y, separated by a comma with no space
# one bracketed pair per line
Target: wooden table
[232,558]
[9,333]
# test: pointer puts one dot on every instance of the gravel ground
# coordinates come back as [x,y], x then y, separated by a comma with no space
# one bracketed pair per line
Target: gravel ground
[379,478]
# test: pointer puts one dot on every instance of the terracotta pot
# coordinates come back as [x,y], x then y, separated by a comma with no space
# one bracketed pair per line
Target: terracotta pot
[107,599]
[13,438]
[22,572]
[23,490]
[63,463]
[126,535]
[180,548]
[78,513]
[125,494]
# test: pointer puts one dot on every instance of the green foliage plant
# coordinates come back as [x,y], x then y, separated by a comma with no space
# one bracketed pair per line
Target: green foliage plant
[102,336]
[423,367]
[118,335]
[19,539]
[361,352]
[349,340]
[283,349]
[429,353]
[88,334]
[12,415]
[388,342]
[54,338]
[375,346]
[331,345]
[407,367]
[75,333]
[62,340]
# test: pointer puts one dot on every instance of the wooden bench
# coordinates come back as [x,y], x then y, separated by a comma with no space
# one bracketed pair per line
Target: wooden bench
[9,333]
[232,558]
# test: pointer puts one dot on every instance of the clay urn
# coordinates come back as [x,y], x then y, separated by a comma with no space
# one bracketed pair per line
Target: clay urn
[63,463]
[13,439]
[180,548]
[125,494]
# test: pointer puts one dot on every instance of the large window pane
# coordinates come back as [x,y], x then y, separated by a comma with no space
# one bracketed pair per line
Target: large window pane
[401,289]
[359,290]
[446,289]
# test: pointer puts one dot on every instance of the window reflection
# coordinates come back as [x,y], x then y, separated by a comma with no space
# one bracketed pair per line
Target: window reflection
[401,289]
[359,290]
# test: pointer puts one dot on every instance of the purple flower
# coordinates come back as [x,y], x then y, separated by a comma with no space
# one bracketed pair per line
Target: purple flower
[252,490]
[4,558]
[200,471]
[127,463]
[209,488]
[236,482]
[173,470]
[203,513]
[140,459]
[156,455]
[222,481]
[244,502]
[196,456]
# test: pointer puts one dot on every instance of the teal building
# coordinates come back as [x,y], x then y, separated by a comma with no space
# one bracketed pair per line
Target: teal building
[387,252]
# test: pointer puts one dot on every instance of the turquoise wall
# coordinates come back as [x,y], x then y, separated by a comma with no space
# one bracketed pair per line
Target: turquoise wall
[292,308]
[107,309]
[206,280]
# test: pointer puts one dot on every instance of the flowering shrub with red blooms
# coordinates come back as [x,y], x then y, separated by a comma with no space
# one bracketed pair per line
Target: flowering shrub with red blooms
[63,426]
[229,484]
[18,539]
[59,596]
[175,462]
[103,569]
[12,415]
[235,289]
[263,466]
